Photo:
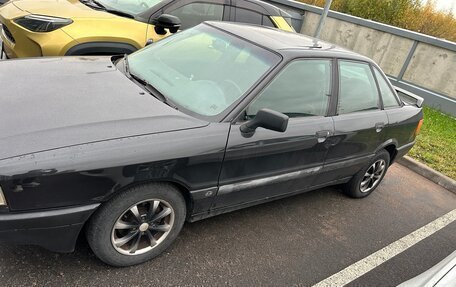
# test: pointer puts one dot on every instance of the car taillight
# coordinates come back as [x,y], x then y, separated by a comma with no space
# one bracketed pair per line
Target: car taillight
[418,127]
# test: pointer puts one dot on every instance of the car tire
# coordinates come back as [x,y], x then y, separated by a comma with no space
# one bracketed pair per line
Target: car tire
[368,179]
[137,224]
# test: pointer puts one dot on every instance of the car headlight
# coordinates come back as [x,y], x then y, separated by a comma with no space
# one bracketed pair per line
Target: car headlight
[2,198]
[39,23]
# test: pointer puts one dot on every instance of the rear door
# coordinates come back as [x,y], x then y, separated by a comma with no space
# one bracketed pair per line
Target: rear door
[359,122]
[401,126]
[269,163]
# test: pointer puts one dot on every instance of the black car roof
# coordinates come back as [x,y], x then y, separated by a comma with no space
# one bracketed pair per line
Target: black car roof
[286,42]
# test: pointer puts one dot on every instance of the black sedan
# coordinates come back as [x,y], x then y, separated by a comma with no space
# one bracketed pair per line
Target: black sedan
[216,118]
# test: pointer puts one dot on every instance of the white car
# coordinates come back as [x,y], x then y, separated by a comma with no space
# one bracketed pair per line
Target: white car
[441,275]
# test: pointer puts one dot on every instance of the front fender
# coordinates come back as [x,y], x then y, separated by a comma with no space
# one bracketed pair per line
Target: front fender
[118,30]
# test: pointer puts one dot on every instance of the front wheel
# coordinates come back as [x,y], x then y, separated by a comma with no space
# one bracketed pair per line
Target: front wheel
[366,180]
[137,225]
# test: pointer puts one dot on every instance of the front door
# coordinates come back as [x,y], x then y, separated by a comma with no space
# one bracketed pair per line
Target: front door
[270,164]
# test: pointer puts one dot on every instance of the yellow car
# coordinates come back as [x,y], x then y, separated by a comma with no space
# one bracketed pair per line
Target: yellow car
[33,28]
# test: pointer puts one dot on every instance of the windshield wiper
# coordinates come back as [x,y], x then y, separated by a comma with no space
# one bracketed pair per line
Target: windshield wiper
[147,86]
[104,8]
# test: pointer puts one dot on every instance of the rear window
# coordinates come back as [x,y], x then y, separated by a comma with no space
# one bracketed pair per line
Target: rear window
[388,96]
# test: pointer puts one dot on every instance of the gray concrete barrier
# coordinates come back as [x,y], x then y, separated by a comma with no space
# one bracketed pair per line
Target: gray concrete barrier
[416,62]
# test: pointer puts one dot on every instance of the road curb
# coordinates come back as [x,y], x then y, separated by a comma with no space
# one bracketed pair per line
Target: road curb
[428,173]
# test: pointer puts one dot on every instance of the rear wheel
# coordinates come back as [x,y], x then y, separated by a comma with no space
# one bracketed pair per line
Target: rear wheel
[137,225]
[367,180]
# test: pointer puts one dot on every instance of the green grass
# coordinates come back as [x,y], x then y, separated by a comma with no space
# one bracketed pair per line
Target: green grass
[436,144]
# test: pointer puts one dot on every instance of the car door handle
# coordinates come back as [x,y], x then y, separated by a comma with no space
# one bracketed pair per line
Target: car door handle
[322,136]
[379,126]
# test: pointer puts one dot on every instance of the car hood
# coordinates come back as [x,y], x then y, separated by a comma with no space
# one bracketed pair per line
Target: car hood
[60,8]
[50,103]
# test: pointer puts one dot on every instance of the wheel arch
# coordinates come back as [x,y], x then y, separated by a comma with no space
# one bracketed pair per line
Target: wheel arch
[101,48]
[391,147]
[392,150]
[182,188]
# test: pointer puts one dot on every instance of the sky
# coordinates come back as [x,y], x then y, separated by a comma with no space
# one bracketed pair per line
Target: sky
[445,5]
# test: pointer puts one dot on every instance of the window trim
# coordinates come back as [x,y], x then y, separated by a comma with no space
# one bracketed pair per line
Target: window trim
[378,87]
[334,98]
[369,64]
[238,118]
[388,83]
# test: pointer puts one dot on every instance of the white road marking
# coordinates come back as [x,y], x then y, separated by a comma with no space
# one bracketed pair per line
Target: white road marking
[365,265]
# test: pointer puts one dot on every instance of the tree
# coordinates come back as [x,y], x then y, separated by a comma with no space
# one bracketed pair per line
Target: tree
[408,14]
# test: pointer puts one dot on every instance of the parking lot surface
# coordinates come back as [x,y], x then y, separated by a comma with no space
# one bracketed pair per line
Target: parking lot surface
[297,241]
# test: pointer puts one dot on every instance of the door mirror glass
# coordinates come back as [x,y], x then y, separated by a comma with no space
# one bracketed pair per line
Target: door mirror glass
[267,119]
[166,21]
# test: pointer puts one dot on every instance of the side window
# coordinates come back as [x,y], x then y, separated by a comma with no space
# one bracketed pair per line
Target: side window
[247,16]
[267,22]
[388,97]
[358,91]
[195,13]
[301,89]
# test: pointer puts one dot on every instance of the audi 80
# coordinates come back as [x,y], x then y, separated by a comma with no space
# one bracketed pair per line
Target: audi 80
[212,119]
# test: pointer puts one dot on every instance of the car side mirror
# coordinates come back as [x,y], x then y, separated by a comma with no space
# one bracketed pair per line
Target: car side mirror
[166,21]
[267,119]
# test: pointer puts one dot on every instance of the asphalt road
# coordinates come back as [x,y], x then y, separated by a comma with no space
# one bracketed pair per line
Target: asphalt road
[297,241]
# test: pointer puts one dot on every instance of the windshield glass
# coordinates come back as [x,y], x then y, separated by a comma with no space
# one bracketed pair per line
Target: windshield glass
[132,7]
[202,69]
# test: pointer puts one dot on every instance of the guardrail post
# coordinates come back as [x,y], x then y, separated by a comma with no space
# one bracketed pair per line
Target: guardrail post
[407,61]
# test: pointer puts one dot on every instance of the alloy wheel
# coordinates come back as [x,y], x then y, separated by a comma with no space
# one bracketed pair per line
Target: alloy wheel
[373,176]
[142,227]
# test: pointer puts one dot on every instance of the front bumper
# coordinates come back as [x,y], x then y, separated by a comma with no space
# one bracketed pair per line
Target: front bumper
[56,230]
[22,43]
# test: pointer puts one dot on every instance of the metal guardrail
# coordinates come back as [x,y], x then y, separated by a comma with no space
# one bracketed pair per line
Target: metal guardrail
[298,10]
[368,23]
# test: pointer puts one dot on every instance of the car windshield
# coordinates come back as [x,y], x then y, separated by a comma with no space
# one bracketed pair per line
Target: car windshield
[202,69]
[132,7]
